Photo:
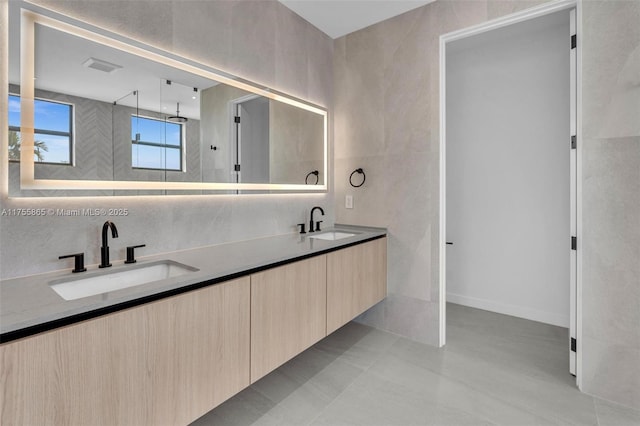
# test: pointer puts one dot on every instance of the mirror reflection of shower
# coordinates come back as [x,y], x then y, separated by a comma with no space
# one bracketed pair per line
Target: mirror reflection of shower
[157,135]
[177,118]
[122,101]
[180,102]
[135,138]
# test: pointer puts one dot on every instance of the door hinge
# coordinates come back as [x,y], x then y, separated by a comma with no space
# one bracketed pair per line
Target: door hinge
[573,344]
[573,41]
[236,119]
[574,142]
[574,243]
[236,167]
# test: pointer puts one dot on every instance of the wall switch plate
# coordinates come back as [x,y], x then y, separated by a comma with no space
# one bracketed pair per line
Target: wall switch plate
[348,201]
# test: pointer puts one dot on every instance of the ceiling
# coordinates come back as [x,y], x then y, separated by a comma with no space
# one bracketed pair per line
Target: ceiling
[340,17]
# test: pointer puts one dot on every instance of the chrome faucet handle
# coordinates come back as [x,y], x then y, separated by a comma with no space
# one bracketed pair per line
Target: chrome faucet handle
[79,261]
[131,253]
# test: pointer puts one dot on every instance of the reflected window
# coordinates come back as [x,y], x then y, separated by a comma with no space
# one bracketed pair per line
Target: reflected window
[53,134]
[156,144]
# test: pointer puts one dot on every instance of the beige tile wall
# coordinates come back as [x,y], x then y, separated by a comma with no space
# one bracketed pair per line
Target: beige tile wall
[386,121]
[240,37]
[611,191]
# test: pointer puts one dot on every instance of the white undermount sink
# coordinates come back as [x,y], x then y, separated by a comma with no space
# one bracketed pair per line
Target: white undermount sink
[119,278]
[332,235]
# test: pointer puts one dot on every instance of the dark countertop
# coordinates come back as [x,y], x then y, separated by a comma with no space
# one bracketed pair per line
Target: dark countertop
[29,306]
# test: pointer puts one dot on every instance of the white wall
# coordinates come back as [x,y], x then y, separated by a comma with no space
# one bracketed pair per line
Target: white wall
[508,170]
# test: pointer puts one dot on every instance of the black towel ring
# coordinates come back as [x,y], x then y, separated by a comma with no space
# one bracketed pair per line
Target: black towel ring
[364,177]
[316,173]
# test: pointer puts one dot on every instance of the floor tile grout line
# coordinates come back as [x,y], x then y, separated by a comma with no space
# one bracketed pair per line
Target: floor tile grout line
[387,352]
[453,379]
[476,389]
[498,398]
[595,410]
[636,411]
[279,367]
[306,381]
[466,385]
[365,354]
[364,370]
[335,398]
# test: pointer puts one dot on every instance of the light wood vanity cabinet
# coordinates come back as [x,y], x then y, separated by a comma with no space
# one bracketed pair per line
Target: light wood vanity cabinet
[163,363]
[171,361]
[288,313]
[356,280]
[296,305]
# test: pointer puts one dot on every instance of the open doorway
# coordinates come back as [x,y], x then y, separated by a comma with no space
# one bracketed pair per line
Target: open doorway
[508,169]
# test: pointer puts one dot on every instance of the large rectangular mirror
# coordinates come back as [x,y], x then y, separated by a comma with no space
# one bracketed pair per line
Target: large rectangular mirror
[90,110]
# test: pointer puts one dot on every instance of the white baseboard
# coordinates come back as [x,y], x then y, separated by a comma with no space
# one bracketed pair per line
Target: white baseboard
[513,310]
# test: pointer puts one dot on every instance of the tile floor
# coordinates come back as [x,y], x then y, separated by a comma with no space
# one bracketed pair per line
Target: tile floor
[494,370]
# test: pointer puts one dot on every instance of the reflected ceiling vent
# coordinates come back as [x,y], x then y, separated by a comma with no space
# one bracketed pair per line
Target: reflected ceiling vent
[100,65]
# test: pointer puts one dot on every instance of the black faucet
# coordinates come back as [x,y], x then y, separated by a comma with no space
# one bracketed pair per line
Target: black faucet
[104,250]
[313,228]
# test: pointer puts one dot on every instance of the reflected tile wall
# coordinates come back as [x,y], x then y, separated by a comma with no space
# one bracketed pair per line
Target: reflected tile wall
[239,37]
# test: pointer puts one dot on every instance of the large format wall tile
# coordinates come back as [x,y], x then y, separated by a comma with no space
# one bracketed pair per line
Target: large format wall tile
[382,84]
[611,200]
[291,57]
[611,284]
[611,68]
[407,316]
[238,37]
[498,8]
[212,44]
[253,40]
[319,53]
[387,116]
[387,120]
[150,21]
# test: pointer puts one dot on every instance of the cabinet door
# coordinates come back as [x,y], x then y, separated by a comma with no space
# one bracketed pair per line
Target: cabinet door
[356,280]
[288,313]
[166,362]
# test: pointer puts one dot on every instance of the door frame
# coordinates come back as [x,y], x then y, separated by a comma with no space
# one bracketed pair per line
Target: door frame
[544,9]
[235,132]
